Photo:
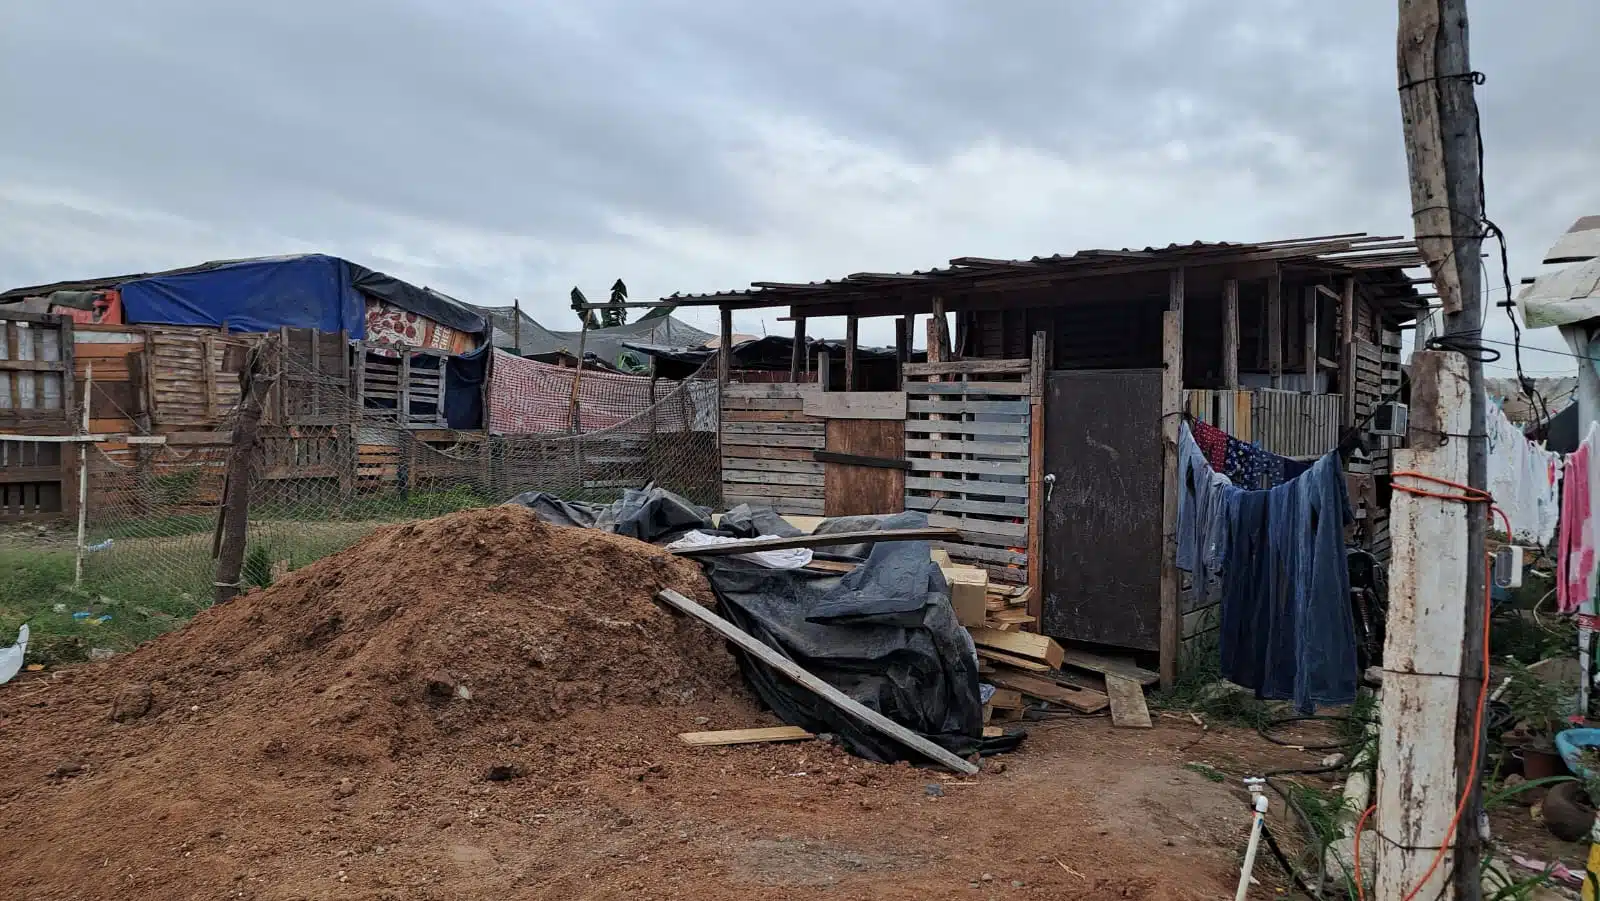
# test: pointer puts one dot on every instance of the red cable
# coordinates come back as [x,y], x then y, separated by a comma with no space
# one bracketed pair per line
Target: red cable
[1468,495]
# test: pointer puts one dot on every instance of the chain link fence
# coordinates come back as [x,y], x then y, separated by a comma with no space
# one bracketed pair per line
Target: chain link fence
[321,482]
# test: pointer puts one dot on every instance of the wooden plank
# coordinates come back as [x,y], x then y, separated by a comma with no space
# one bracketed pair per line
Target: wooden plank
[1275,327]
[793,541]
[979,467]
[731,452]
[1308,306]
[1109,666]
[794,404]
[960,505]
[1006,699]
[950,427]
[826,692]
[752,464]
[1127,703]
[852,331]
[949,407]
[826,456]
[783,505]
[999,556]
[967,367]
[1021,644]
[1039,357]
[856,405]
[745,736]
[1017,449]
[1080,699]
[1024,663]
[775,428]
[797,351]
[1013,532]
[968,486]
[772,478]
[729,415]
[736,442]
[997,389]
[769,489]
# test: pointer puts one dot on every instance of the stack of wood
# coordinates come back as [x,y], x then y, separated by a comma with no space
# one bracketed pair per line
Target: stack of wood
[1026,667]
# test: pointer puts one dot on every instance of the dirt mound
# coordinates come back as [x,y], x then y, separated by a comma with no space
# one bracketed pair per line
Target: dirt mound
[482,706]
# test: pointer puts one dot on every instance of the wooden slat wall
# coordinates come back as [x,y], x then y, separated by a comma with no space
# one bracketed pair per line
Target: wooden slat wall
[863,490]
[36,385]
[967,440]
[767,446]
[1283,422]
[188,388]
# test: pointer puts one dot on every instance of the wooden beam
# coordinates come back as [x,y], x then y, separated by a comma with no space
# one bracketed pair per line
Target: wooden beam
[779,544]
[724,349]
[1230,334]
[902,348]
[797,354]
[1171,413]
[1021,644]
[1081,699]
[824,370]
[745,736]
[1347,363]
[826,456]
[1310,305]
[1037,488]
[1109,666]
[1275,327]
[844,703]
[851,333]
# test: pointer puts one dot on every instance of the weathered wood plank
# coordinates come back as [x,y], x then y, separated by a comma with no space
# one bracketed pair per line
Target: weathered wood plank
[987,527]
[767,390]
[745,736]
[998,556]
[950,407]
[1128,708]
[729,416]
[981,467]
[1081,699]
[755,464]
[772,478]
[961,505]
[826,692]
[794,541]
[967,367]
[774,428]
[1109,666]
[1017,449]
[1021,644]
[1000,389]
[968,486]
[731,452]
[856,405]
[916,426]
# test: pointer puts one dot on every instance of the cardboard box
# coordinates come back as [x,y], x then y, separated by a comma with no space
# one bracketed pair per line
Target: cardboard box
[969,587]
[940,556]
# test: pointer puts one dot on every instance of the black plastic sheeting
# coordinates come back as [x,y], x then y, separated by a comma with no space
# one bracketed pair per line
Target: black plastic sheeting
[884,634]
[440,308]
[464,375]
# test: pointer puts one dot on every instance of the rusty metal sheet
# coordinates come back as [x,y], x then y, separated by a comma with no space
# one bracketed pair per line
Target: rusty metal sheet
[1102,539]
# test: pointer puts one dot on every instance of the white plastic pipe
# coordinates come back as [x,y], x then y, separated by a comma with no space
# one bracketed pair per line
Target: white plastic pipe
[1255,839]
[83,474]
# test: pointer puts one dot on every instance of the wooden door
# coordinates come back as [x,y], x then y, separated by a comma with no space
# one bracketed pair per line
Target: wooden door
[1102,513]
[863,487]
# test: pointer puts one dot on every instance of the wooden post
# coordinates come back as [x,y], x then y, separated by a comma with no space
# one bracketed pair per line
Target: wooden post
[1417,784]
[1275,327]
[1347,348]
[824,371]
[516,325]
[725,348]
[1171,414]
[852,326]
[797,354]
[938,334]
[1310,304]
[1439,114]
[85,454]
[234,518]
[1230,334]
[902,350]
[1037,488]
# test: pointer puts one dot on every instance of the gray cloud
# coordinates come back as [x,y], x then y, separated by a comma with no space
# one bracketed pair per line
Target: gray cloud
[512,149]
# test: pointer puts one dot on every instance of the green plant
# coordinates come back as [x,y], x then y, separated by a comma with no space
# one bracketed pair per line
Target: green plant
[1539,706]
[1206,770]
[257,569]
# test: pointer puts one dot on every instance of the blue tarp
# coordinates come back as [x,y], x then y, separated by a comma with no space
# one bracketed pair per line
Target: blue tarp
[311,291]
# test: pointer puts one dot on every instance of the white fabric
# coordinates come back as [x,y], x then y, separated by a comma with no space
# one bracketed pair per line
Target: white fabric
[1524,479]
[11,658]
[791,558]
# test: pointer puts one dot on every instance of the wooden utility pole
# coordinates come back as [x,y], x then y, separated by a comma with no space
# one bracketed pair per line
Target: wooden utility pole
[1432,657]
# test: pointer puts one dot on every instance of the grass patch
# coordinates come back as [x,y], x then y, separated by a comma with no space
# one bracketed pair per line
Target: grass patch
[1209,772]
[1199,689]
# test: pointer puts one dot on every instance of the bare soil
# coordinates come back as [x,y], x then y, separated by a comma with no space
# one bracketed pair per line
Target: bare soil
[484,707]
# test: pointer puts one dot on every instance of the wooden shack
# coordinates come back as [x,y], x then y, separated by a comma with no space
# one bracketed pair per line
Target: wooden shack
[1044,423]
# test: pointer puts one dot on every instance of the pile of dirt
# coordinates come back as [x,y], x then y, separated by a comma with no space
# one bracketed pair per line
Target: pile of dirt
[476,707]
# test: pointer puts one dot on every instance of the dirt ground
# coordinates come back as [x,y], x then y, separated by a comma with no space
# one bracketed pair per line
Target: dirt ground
[482,706]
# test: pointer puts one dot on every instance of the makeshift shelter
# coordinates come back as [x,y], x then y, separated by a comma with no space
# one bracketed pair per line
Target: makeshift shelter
[519,333]
[1046,431]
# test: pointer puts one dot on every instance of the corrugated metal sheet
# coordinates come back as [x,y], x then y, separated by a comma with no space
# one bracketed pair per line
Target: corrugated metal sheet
[1283,422]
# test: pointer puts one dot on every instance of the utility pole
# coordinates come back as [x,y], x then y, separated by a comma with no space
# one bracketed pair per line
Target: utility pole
[1432,657]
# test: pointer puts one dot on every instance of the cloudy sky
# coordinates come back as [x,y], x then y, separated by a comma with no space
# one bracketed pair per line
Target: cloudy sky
[513,149]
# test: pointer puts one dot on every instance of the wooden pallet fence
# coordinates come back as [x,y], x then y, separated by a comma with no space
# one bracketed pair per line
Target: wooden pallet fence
[967,441]
[767,446]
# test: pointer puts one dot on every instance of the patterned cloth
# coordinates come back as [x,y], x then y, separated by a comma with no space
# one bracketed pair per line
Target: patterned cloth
[1248,466]
[527,397]
[1213,442]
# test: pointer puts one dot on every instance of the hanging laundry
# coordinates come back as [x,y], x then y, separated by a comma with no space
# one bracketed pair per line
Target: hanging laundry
[1286,625]
[1201,506]
[1213,443]
[1575,544]
[1524,479]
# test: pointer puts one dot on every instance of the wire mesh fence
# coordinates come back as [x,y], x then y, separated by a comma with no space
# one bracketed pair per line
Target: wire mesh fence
[321,482]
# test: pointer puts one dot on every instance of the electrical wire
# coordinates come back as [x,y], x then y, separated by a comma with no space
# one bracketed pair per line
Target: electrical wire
[1467,495]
